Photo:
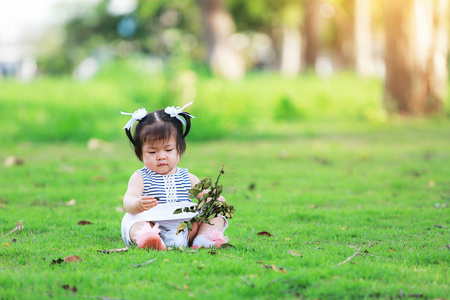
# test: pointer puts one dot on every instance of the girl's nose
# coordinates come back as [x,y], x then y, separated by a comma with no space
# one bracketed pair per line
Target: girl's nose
[160,156]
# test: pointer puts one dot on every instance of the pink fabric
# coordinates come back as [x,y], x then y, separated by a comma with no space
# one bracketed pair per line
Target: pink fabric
[147,233]
[210,238]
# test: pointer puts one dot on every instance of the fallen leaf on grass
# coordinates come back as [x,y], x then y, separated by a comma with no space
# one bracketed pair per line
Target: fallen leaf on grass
[56,262]
[68,169]
[68,288]
[264,233]
[415,295]
[320,160]
[13,161]
[225,246]
[181,289]
[71,202]
[98,178]
[439,226]
[275,268]
[97,144]
[114,250]
[72,258]
[68,259]
[84,223]
[5,244]
[294,253]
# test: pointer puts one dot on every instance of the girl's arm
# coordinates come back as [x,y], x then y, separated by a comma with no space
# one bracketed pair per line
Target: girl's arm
[194,180]
[133,201]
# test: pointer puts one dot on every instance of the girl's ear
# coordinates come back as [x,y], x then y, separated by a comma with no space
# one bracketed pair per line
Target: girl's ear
[187,117]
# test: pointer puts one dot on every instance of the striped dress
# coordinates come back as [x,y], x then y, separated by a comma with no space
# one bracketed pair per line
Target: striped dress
[168,188]
[172,191]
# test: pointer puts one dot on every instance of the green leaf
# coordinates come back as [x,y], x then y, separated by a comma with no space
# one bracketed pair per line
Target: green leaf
[182,226]
[178,211]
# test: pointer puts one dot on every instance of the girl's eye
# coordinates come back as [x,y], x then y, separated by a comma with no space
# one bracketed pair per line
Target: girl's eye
[152,152]
[168,150]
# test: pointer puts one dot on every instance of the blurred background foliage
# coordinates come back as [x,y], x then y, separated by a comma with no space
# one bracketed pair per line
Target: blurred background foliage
[251,67]
[60,109]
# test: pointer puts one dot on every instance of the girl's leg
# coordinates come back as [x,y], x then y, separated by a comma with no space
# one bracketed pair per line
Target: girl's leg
[216,224]
[210,235]
[146,235]
[193,233]
[135,228]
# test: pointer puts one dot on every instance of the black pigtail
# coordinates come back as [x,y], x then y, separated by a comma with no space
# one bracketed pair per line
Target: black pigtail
[130,137]
[187,117]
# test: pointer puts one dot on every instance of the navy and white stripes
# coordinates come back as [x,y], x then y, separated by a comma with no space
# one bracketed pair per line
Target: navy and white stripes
[168,188]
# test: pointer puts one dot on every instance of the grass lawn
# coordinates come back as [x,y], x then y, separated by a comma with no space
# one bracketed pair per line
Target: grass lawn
[322,191]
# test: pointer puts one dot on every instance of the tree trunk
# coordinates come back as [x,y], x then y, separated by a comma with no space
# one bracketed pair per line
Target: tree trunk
[290,57]
[312,32]
[363,38]
[416,53]
[219,26]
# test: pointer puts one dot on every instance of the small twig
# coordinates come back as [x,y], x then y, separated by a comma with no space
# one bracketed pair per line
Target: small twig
[175,286]
[273,281]
[247,282]
[18,227]
[113,250]
[351,257]
[144,263]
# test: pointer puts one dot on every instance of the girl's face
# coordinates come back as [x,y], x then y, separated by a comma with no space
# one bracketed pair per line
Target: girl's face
[161,156]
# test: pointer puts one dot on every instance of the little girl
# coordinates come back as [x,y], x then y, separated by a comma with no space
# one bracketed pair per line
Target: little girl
[160,187]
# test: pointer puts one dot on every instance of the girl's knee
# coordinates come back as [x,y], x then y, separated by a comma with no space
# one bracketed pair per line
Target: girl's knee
[217,222]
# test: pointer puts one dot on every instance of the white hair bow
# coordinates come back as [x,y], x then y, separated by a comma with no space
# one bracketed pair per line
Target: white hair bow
[175,111]
[137,115]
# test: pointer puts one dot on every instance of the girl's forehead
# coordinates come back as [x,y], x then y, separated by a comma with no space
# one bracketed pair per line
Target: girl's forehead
[161,143]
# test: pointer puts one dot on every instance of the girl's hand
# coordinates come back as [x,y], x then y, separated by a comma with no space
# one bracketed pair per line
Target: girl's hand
[146,202]
[220,199]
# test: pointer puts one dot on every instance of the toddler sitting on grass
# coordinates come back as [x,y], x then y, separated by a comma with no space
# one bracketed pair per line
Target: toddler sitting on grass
[160,187]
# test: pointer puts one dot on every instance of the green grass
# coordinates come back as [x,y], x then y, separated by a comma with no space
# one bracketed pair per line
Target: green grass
[321,188]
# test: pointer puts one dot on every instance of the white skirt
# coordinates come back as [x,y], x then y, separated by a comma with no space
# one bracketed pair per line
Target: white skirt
[167,220]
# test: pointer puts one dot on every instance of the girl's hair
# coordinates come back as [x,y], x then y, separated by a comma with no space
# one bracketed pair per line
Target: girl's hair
[159,126]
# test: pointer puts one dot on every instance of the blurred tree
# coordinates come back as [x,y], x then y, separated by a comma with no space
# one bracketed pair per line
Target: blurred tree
[282,21]
[161,28]
[290,54]
[312,31]
[416,54]
[219,26]
[363,37]
[339,32]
